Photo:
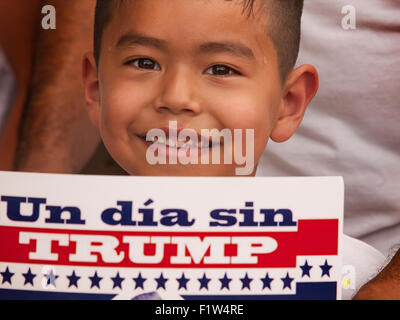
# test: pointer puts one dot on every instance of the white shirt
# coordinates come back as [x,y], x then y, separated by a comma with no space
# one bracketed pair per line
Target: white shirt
[352,127]
[361,263]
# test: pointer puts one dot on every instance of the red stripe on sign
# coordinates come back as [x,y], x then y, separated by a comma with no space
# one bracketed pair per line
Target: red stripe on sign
[169,249]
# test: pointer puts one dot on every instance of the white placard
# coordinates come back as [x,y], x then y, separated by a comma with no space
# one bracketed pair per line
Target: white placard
[103,237]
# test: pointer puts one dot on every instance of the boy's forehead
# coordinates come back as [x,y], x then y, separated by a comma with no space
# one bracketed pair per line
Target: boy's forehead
[256,8]
[189,20]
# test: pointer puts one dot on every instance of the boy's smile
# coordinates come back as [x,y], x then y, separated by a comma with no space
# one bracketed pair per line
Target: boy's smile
[203,64]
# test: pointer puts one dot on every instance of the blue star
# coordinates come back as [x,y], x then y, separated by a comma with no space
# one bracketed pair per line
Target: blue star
[306,269]
[95,280]
[29,277]
[246,282]
[183,281]
[51,278]
[204,282]
[161,281]
[225,282]
[325,268]
[117,281]
[287,281]
[7,275]
[267,281]
[73,280]
[139,281]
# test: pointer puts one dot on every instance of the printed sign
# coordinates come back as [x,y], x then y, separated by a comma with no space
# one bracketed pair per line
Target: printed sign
[102,237]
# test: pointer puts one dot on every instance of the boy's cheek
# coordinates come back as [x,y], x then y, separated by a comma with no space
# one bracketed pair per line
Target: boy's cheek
[241,115]
[119,107]
[114,120]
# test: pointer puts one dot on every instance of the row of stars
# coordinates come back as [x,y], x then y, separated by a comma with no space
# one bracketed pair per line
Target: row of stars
[161,281]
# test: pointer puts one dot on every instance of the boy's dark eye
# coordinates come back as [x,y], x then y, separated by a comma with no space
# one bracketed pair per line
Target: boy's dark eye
[145,63]
[221,70]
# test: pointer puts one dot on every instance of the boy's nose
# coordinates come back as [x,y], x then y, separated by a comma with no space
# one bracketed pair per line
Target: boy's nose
[178,93]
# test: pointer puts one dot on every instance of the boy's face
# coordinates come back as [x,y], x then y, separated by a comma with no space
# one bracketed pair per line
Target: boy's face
[201,63]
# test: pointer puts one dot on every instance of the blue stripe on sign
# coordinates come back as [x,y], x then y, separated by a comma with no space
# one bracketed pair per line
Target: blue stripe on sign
[10,294]
[304,291]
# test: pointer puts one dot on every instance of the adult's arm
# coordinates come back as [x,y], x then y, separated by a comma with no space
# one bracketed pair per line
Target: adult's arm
[56,133]
[18,26]
[385,286]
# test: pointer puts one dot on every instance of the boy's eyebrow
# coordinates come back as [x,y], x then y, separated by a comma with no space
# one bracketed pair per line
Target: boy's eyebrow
[235,48]
[132,39]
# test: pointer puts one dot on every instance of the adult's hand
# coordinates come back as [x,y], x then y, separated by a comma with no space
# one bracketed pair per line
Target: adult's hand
[56,134]
[385,286]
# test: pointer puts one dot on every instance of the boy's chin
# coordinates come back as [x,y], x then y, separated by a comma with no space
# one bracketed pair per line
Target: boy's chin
[179,170]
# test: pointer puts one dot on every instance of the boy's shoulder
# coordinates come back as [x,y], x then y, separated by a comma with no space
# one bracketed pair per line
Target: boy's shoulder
[361,262]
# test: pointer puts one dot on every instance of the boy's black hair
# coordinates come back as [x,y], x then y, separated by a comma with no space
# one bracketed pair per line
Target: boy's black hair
[284,26]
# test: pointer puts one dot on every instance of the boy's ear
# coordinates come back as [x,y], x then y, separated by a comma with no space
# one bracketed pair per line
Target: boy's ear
[92,91]
[299,89]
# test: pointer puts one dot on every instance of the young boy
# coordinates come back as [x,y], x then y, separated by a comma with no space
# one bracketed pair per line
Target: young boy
[200,64]
[222,65]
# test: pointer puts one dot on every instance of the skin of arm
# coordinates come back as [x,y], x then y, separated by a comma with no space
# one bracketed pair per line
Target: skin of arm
[18,30]
[385,286]
[56,134]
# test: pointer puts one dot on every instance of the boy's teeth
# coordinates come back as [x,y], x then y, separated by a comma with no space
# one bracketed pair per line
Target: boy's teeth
[172,143]
[161,140]
[178,144]
[203,144]
[190,143]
